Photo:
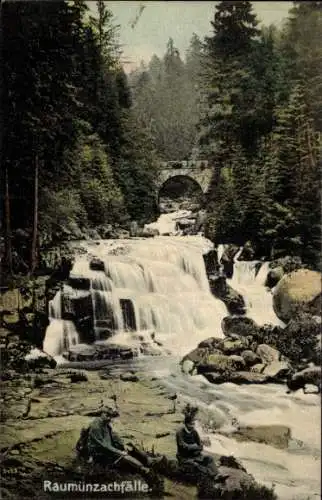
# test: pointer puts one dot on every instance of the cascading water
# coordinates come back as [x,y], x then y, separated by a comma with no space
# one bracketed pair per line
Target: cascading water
[295,471]
[165,281]
[250,284]
[166,285]
[60,336]
[167,223]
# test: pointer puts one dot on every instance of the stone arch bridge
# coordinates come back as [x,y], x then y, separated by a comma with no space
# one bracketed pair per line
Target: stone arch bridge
[200,171]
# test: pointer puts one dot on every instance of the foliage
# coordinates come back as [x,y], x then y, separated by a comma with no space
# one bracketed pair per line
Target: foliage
[230,80]
[298,341]
[247,99]
[136,170]
[166,97]
[68,104]
[260,129]
[61,212]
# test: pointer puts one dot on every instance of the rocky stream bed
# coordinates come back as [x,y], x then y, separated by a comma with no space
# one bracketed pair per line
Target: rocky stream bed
[44,406]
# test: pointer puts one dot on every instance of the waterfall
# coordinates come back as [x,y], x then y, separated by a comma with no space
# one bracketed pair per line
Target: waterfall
[60,334]
[55,306]
[295,470]
[159,285]
[220,251]
[250,284]
[167,223]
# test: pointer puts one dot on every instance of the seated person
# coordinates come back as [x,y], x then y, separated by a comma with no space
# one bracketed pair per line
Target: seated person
[106,447]
[189,449]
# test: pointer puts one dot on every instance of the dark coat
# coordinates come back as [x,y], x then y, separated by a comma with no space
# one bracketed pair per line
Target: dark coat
[189,445]
[104,442]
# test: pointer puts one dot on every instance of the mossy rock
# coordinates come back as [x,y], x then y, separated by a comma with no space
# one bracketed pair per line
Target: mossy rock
[218,363]
[298,292]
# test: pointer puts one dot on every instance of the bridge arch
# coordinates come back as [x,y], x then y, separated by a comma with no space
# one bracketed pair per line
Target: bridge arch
[199,171]
[180,186]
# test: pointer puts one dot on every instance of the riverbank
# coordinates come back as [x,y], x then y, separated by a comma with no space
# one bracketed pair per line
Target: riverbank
[170,297]
[45,413]
[48,411]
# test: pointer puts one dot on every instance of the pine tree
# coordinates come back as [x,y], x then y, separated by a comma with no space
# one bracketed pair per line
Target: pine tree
[235,26]
[300,46]
[41,79]
[229,80]
[292,221]
[228,128]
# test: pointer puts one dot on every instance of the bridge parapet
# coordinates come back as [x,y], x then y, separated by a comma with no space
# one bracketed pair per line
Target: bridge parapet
[193,164]
[198,170]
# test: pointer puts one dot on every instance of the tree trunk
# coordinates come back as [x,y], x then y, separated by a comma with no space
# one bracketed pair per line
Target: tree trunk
[310,148]
[35,226]
[8,250]
[6,206]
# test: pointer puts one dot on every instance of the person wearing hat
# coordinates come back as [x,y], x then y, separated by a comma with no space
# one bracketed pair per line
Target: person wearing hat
[190,447]
[106,447]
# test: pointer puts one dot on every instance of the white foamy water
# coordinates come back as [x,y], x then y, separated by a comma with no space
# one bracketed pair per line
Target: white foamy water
[167,223]
[166,283]
[60,335]
[258,299]
[165,287]
[164,279]
[295,471]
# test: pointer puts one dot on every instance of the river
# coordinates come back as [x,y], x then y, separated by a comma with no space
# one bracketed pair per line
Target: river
[164,278]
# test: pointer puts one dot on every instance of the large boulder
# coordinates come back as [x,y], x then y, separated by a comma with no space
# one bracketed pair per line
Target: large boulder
[267,353]
[39,359]
[237,377]
[220,363]
[235,302]
[99,351]
[105,231]
[79,283]
[233,482]
[92,234]
[149,232]
[121,233]
[310,375]
[232,299]
[297,292]
[227,259]
[277,370]
[211,262]
[274,435]
[239,325]
[197,355]
[250,358]
[97,265]
[211,343]
[248,252]
[274,276]
[81,352]
[231,346]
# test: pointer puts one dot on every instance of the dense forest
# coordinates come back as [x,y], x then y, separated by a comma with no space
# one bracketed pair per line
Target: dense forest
[82,140]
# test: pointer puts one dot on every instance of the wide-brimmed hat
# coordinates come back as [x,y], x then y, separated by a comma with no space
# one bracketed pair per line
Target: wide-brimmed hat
[110,412]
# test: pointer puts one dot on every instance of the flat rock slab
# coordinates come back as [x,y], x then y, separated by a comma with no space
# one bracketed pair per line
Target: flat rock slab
[241,377]
[274,435]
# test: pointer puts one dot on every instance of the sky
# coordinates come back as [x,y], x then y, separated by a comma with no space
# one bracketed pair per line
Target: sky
[161,20]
